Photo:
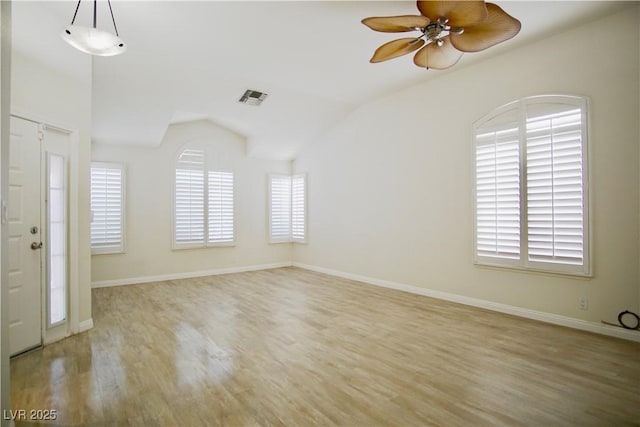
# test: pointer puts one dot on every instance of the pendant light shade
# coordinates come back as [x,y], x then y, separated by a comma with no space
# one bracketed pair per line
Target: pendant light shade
[92,40]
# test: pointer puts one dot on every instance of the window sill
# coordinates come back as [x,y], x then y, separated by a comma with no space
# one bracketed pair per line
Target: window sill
[114,252]
[521,269]
[209,246]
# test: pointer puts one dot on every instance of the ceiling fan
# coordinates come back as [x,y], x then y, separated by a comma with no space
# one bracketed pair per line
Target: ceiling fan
[449,28]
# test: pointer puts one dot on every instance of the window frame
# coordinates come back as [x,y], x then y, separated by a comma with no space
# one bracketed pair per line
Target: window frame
[302,176]
[121,248]
[206,170]
[523,262]
[289,238]
[227,243]
[278,238]
[176,163]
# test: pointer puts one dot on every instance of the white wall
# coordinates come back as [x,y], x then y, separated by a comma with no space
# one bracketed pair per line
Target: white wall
[390,188]
[149,204]
[63,99]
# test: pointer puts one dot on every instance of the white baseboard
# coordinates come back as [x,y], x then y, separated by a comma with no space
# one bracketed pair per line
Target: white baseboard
[188,275]
[555,319]
[85,325]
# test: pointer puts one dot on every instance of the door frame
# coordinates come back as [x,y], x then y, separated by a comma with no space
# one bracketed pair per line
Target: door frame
[56,334]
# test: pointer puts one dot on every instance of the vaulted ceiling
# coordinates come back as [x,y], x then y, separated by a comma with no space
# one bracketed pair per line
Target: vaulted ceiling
[193,60]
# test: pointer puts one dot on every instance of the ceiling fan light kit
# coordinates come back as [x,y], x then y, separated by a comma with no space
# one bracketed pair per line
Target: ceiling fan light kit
[448,29]
[92,40]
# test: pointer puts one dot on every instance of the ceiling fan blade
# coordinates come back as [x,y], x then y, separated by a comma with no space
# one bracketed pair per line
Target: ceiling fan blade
[499,27]
[396,24]
[396,48]
[460,13]
[437,57]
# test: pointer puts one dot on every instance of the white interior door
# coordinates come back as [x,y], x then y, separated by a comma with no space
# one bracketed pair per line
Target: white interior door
[25,253]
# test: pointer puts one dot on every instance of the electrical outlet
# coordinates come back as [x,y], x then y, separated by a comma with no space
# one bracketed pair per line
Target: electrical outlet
[583,303]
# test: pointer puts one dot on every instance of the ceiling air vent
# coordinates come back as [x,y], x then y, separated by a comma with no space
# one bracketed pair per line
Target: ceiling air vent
[252,97]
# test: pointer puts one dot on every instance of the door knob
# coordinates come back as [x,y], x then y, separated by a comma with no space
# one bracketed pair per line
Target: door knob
[36,246]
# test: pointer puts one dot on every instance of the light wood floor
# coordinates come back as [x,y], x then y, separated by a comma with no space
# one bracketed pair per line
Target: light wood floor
[296,348]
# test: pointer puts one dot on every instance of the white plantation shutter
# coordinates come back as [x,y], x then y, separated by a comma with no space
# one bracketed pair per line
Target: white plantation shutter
[280,208]
[221,219]
[204,202]
[189,224]
[531,186]
[498,193]
[555,187]
[287,208]
[298,207]
[107,207]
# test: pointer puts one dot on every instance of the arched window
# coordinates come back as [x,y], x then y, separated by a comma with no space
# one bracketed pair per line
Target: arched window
[531,188]
[204,200]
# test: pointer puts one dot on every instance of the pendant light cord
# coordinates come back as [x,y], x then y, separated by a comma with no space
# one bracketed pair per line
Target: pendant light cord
[95,19]
[112,18]
[76,12]
[95,14]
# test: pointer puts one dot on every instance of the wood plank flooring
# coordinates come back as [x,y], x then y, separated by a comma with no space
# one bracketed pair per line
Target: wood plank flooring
[289,347]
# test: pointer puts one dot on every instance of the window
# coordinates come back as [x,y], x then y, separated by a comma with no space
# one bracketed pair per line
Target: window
[531,198]
[287,208]
[57,249]
[220,207]
[298,208]
[107,208]
[280,208]
[204,202]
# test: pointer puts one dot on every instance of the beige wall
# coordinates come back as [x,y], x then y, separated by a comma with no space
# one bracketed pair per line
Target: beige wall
[149,204]
[63,99]
[390,188]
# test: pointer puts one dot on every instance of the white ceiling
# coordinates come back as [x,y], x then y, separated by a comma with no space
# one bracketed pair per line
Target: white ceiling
[193,60]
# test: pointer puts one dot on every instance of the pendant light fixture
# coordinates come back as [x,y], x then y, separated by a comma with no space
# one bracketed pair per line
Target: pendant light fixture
[91,40]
